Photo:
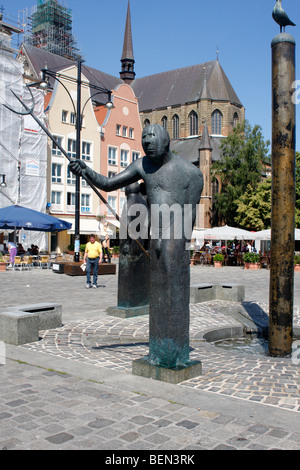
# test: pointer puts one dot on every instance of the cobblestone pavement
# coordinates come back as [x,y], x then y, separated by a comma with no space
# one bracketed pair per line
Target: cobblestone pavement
[74,389]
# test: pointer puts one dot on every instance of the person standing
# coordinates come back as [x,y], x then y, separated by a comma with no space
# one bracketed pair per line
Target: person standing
[105,245]
[92,258]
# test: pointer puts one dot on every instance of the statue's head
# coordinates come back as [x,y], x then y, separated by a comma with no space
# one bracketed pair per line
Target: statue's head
[155,141]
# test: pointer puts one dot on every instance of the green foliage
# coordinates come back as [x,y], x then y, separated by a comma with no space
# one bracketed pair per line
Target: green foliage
[251,258]
[297,259]
[82,247]
[244,153]
[219,257]
[254,207]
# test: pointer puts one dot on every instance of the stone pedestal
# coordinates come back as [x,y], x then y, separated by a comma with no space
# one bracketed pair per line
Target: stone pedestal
[172,375]
[122,312]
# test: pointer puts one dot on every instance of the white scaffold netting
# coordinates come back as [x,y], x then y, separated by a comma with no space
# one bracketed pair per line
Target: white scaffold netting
[23,148]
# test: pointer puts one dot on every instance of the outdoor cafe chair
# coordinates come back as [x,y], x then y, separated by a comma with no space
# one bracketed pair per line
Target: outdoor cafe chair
[27,262]
[44,261]
[18,262]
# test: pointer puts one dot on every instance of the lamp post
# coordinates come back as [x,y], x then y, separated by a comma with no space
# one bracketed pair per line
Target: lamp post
[3,182]
[78,126]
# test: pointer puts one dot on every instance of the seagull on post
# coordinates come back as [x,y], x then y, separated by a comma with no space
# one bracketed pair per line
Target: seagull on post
[280,16]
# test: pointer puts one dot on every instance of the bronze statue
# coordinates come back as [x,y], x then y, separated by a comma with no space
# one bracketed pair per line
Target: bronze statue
[170,182]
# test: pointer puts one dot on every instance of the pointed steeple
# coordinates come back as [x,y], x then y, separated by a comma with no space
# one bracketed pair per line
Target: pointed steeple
[204,143]
[127,60]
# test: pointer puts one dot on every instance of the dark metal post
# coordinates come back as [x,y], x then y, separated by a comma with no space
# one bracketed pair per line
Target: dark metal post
[283,197]
[78,153]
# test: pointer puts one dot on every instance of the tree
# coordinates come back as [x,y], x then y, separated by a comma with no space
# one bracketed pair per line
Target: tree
[243,156]
[254,207]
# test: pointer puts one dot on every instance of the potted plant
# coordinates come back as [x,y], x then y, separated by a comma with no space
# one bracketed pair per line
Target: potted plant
[2,263]
[297,263]
[71,249]
[251,260]
[218,260]
[116,250]
[82,250]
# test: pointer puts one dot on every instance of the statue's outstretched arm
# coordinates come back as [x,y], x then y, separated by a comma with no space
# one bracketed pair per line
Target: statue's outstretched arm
[130,175]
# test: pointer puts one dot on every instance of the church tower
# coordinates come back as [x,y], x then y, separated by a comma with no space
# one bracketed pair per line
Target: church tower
[127,60]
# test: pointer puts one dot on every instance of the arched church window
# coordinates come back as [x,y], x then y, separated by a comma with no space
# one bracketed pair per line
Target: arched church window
[193,117]
[146,122]
[235,119]
[216,122]
[175,126]
[164,122]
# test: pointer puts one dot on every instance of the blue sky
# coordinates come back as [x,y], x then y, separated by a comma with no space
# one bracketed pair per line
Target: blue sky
[169,34]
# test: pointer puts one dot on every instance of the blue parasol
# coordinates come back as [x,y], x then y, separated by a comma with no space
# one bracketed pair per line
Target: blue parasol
[18,217]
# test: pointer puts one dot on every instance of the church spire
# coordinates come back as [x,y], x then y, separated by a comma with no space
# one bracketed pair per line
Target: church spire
[127,60]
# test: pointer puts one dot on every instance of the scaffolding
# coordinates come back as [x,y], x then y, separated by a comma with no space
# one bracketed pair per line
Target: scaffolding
[51,29]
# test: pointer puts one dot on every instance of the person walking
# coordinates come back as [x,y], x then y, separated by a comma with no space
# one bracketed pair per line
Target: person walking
[92,258]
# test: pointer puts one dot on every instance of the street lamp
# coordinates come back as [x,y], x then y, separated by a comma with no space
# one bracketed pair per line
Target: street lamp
[3,182]
[78,126]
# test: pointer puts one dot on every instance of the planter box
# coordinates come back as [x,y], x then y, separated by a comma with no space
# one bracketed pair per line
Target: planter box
[2,266]
[218,264]
[251,265]
[73,269]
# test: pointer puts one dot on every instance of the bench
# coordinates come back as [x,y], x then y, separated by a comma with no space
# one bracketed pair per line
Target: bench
[22,324]
[207,292]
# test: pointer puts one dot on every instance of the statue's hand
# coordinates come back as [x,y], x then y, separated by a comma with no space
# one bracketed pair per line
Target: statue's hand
[77,166]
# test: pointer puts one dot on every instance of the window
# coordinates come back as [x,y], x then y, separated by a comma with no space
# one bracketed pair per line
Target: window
[86,151]
[193,117]
[56,173]
[124,157]
[85,202]
[112,155]
[175,126]
[71,178]
[135,155]
[55,150]
[56,198]
[164,122]
[122,202]
[64,116]
[73,118]
[112,200]
[146,122]
[131,133]
[84,183]
[118,129]
[72,148]
[124,132]
[235,119]
[216,122]
[111,174]
[71,202]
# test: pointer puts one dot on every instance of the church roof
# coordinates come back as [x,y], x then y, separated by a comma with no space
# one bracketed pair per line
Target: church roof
[189,148]
[184,85]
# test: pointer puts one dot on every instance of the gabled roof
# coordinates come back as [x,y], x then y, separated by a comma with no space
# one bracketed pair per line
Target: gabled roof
[184,85]
[40,59]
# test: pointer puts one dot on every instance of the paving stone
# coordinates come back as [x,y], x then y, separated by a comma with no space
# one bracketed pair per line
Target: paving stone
[60,438]
[187,424]
[100,423]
